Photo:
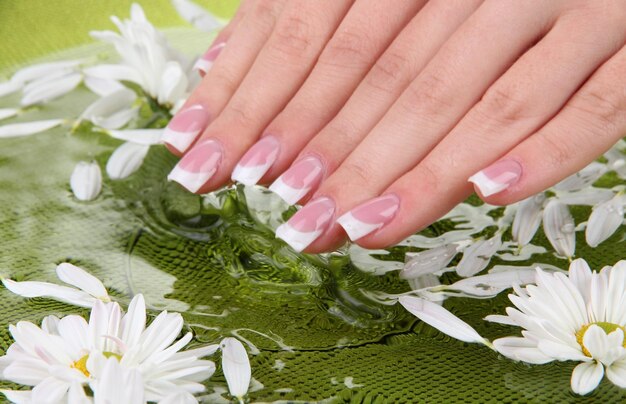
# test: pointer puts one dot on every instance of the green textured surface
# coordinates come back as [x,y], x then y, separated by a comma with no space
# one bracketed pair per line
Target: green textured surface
[228,275]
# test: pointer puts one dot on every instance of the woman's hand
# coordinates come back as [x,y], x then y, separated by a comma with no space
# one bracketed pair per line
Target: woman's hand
[384,116]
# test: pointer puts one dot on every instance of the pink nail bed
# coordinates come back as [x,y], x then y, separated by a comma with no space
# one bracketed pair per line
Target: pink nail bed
[298,180]
[198,165]
[257,161]
[206,61]
[185,126]
[497,177]
[369,216]
[307,224]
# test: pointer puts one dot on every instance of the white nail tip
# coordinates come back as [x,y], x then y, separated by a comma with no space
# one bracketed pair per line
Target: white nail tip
[203,65]
[191,181]
[355,228]
[486,185]
[296,239]
[178,140]
[249,175]
[289,194]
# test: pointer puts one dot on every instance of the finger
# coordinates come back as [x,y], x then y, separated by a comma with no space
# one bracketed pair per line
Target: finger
[527,96]
[478,53]
[346,59]
[591,122]
[225,74]
[204,63]
[393,71]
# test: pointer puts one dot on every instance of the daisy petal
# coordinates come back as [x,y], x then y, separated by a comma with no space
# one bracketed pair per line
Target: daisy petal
[617,373]
[441,319]
[586,377]
[125,160]
[139,136]
[109,105]
[45,289]
[428,261]
[500,319]
[174,83]
[604,220]
[102,87]
[560,351]
[28,128]
[38,71]
[75,276]
[134,322]
[477,256]
[86,181]
[236,366]
[76,395]
[521,349]
[50,390]
[8,112]
[493,283]
[115,73]
[583,178]
[527,219]
[17,396]
[559,227]
[9,87]
[51,89]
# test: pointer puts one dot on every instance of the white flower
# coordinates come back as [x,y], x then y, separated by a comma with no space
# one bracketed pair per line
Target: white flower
[90,289]
[236,367]
[147,59]
[86,181]
[580,317]
[72,351]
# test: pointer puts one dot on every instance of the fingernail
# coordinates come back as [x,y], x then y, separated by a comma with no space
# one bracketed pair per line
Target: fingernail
[307,224]
[198,165]
[206,61]
[255,163]
[298,180]
[369,216]
[497,177]
[185,126]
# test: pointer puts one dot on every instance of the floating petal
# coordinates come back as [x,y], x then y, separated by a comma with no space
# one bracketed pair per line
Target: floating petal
[604,220]
[491,284]
[86,181]
[441,319]
[559,227]
[583,178]
[38,71]
[478,255]
[28,128]
[125,160]
[428,261]
[9,87]
[113,110]
[236,367]
[527,219]
[45,289]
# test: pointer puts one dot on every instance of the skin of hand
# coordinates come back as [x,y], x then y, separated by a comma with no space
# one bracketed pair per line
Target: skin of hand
[381,119]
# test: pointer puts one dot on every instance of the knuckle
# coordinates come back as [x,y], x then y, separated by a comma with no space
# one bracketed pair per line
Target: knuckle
[359,172]
[292,37]
[559,152]
[264,12]
[390,72]
[240,114]
[347,49]
[498,105]
[429,96]
[224,79]
[603,107]
[340,134]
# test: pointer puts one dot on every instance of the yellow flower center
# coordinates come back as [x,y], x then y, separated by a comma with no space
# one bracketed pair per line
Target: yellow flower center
[81,364]
[606,327]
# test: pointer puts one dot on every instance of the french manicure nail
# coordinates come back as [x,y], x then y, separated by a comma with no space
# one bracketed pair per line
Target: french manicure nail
[206,61]
[497,177]
[369,216]
[307,224]
[255,163]
[185,126]
[198,165]
[298,180]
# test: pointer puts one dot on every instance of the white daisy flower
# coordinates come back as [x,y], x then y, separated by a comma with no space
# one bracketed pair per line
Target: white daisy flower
[71,351]
[579,317]
[88,289]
